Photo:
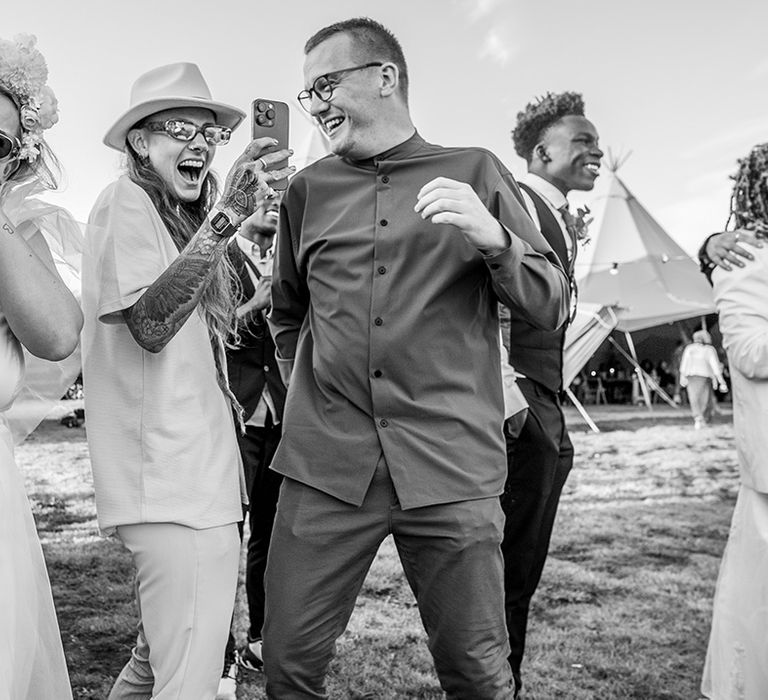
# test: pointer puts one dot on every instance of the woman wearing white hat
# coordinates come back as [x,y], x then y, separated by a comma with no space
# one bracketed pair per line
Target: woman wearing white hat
[157,299]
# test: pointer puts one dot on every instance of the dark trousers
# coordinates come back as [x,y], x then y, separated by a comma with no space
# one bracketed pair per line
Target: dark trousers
[320,553]
[257,447]
[539,460]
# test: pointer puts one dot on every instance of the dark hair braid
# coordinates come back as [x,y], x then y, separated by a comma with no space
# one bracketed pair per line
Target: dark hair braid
[749,201]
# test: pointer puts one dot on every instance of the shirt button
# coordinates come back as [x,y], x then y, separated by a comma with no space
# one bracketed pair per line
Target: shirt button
[382,270]
[377,373]
[384,222]
[266,368]
[378,321]
[383,422]
[385,179]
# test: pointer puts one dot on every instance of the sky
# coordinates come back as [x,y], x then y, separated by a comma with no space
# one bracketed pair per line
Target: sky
[678,86]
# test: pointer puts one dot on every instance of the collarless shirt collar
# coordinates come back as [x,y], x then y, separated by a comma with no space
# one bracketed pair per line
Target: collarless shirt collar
[401,150]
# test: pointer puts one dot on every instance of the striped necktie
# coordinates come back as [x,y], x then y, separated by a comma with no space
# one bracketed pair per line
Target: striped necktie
[571,228]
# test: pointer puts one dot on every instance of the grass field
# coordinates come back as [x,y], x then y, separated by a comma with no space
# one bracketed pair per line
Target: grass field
[622,612]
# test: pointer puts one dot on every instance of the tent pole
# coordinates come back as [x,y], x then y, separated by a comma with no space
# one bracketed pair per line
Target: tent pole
[582,411]
[639,370]
[655,386]
[651,382]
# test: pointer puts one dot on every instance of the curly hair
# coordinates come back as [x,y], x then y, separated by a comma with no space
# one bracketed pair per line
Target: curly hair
[372,41]
[749,200]
[540,115]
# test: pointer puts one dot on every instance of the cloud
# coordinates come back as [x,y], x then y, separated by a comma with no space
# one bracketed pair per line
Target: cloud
[477,9]
[498,48]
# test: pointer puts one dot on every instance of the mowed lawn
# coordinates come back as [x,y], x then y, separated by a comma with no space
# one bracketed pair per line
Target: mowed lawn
[622,612]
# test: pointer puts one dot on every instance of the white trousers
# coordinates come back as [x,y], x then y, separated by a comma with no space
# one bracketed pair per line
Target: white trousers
[186,581]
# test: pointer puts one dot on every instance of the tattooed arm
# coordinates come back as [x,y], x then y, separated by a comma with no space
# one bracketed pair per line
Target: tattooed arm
[167,304]
[170,300]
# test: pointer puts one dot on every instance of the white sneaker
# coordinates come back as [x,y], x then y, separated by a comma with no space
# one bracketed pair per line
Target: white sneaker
[698,423]
[228,685]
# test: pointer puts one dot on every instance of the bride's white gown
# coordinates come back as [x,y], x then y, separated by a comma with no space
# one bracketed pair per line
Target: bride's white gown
[32,665]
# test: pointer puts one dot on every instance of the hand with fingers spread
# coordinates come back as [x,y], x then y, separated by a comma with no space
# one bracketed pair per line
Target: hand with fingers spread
[248,185]
[725,250]
[446,201]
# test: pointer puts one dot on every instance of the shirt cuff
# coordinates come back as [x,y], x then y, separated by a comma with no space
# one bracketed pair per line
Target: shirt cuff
[285,368]
[509,256]
[705,262]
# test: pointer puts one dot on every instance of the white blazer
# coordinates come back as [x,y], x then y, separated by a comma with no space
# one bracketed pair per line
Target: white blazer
[742,301]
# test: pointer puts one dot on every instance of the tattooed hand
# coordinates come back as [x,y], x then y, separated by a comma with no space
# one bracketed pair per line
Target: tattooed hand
[248,184]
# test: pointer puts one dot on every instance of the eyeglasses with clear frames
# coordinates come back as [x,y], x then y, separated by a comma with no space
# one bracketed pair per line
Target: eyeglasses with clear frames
[214,134]
[324,86]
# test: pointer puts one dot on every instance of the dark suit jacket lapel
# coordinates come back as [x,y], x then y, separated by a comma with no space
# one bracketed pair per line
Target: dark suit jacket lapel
[550,227]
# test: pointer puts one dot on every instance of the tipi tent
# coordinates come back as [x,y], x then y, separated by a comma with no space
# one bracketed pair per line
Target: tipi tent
[632,265]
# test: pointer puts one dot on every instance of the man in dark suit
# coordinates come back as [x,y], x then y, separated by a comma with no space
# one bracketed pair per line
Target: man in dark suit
[561,148]
[255,380]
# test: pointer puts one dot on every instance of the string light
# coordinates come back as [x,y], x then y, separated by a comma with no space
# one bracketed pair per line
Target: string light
[664,258]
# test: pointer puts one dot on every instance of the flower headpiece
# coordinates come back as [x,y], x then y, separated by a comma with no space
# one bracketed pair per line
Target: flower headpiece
[23,74]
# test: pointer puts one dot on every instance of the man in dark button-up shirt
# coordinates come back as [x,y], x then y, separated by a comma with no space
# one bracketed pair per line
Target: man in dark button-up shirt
[392,255]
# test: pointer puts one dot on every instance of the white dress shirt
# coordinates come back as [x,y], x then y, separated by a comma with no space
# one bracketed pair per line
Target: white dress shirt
[553,198]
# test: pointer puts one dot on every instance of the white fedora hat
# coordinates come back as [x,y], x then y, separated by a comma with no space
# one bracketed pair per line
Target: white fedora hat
[167,87]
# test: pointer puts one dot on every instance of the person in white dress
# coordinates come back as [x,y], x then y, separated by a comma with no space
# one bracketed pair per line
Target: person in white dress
[736,666]
[38,312]
[700,372]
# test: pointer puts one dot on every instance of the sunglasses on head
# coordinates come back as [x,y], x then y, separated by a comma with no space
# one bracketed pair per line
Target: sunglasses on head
[181,130]
[9,146]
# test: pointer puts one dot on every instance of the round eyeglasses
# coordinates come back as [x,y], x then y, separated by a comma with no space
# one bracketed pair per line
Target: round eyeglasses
[181,130]
[324,86]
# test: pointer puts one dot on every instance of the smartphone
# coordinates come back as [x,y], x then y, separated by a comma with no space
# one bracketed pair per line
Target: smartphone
[270,118]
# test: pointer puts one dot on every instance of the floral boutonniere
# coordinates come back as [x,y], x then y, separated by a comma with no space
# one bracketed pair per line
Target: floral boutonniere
[578,225]
[581,223]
